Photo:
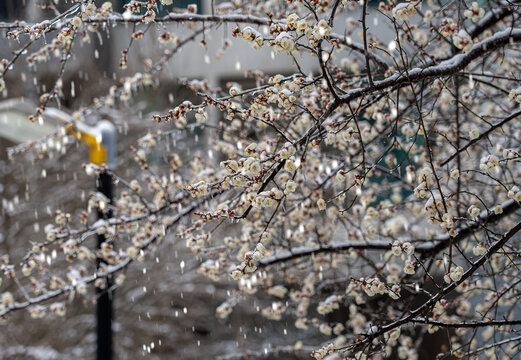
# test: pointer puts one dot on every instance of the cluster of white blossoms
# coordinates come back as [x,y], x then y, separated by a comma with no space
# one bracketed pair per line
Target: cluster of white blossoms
[149,8]
[474,211]
[455,274]
[427,16]
[321,29]
[515,94]
[6,301]
[392,336]
[514,193]
[279,291]
[275,311]
[284,98]
[448,27]
[321,353]
[265,199]
[447,221]
[65,36]
[425,180]
[302,323]
[37,311]
[164,38]
[398,246]
[406,350]
[473,133]
[508,153]
[89,9]
[475,12]
[224,310]
[251,35]
[342,137]
[287,151]
[404,11]
[302,26]
[329,304]
[462,41]
[321,203]
[76,22]
[58,309]
[197,242]
[210,268]
[198,189]
[301,298]
[489,162]
[150,16]
[454,173]
[409,267]
[284,42]
[480,249]
[373,286]
[434,206]
[247,266]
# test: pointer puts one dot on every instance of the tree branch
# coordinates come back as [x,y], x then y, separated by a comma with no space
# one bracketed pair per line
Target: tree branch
[482,135]
[474,324]
[445,68]
[427,247]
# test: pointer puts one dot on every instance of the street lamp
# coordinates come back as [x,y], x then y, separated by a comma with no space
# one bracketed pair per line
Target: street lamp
[101,140]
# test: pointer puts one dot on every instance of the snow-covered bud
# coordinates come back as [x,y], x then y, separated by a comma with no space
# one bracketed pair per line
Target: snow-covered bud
[321,203]
[454,174]
[473,133]
[409,267]
[473,211]
[475,12]
[515,94]
[479,249]
[396,248]
[463,41]
[404,11]
[76,22]
[149,16]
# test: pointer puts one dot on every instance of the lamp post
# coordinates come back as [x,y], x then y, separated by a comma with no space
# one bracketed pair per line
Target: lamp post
[101,140]
[104,303]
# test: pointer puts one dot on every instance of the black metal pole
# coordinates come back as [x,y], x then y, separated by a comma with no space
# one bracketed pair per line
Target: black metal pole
[104,303]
